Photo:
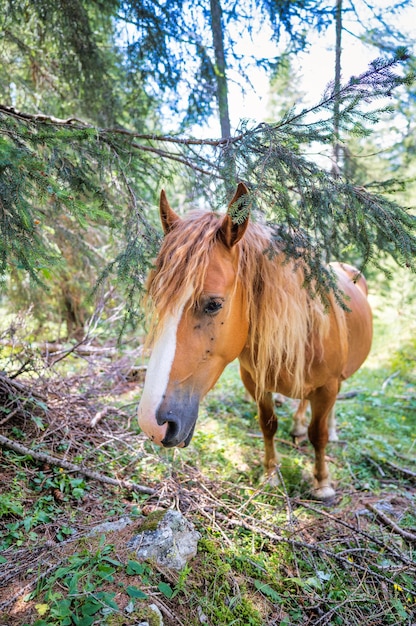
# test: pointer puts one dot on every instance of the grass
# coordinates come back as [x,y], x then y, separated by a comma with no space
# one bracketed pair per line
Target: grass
[268,554]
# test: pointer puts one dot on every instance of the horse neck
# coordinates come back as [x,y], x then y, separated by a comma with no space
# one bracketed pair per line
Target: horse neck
[284,323]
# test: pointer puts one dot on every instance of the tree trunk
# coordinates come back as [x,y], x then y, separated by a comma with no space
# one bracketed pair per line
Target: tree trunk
[337,86]
[220,67]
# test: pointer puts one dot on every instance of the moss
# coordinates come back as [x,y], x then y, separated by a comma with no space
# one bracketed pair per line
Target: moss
[141,614]
[152,521]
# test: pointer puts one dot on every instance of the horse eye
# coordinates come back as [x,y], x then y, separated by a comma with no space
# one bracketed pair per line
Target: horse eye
[213,306]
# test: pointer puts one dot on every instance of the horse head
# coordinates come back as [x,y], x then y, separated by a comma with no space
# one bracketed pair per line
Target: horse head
[202,322]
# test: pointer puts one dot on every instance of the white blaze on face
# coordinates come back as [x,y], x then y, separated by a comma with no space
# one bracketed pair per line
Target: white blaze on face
[158,373]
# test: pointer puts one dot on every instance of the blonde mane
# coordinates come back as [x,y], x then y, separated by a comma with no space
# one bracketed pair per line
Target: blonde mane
[286,324]
[182,263]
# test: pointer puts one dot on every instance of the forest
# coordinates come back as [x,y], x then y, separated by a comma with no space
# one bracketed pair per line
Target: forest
[104,104]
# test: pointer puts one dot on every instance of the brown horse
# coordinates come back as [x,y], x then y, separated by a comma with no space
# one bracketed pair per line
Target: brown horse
[218,296]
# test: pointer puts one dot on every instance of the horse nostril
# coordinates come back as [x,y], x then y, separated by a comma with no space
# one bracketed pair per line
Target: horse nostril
[171,437]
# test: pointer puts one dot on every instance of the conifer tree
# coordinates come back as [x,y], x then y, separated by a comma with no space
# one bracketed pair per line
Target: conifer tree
[93,158]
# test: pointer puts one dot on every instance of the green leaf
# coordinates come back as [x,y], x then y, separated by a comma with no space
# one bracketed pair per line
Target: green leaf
[107,599]
[73,583]
[398,605]
[112,561]
[134,592]
[38,421]
[267,591]
[43,517]
[61,572]
[134,568]
[313,581]
[86,620]
[165,589]
[306,583]
[62,609]
[7,506]
[91,607]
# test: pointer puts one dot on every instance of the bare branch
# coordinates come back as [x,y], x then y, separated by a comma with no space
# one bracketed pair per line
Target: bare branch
[389,522]
[72,467]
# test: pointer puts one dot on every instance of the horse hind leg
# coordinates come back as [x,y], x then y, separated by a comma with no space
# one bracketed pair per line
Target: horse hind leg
[299,430]
[300,422]
[322,405]
[332,426]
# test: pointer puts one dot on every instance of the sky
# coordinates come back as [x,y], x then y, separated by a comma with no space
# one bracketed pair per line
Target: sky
[316,66]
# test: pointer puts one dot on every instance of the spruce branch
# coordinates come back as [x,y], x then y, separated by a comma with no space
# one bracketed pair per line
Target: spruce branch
[96,175]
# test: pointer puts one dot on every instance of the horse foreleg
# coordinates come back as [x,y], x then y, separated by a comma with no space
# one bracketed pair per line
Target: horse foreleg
[267,419]
[322,404]
[300,423]
[268,425]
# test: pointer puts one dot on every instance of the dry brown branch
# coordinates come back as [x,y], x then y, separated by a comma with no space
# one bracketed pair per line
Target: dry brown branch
[310,547]
[389,522]
[357,531]
[29,586]
[15,387]
[100,415]
[233,517]
[402,470]
[85,350]
[165,609]
[376,465]
[347,395]
[72,467]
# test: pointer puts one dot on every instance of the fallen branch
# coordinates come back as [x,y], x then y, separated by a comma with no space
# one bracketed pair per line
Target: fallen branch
[72,467]
[388,381]
[373,462]
[389,522]
[312,547]
[81,347]
[29,586]
[15,387]
[100,415]
[401,470]
[347,395]
[356,530]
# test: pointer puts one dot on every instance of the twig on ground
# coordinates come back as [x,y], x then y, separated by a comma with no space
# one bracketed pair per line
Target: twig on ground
[347,395]
[311,547]
[72,467]
[373,462]
[29,586]
[402,470]
[100,415]
[388,380]
[389,522]
[357,530]
[15,386]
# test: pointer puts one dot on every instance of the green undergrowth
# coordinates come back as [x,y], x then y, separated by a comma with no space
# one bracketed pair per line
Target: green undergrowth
[268,555]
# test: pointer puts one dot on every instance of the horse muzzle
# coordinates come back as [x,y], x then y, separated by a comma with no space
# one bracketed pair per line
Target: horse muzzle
[174,421]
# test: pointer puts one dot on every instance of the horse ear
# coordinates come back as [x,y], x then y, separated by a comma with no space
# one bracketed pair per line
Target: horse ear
[168,216]
[231,232]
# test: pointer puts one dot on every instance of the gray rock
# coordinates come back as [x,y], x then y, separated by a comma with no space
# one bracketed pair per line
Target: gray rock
[171,543]
[107,527]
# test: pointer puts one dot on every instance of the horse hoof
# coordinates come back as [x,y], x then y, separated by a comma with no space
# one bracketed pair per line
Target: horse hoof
[270,477]
[324,493]
[332,436]
[298,439]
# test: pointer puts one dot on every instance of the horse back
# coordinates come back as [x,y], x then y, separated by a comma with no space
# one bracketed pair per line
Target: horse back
[358,318]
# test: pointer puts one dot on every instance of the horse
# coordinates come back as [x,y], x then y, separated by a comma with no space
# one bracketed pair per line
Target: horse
[217,295]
